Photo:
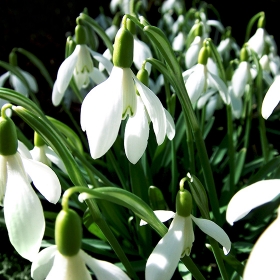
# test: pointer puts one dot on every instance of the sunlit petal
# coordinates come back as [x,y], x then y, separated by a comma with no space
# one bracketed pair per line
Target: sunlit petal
[263,262]
[193,51]
[43,263]
[103,269]
[103,60]
[30,80]
[3,177]
[271,98]
[56,95]
[170,125]
[219,84]
[44,179]
[54,158]
[66,69]
[205,97]
[97,76]
[136,133]
[162,215]
[141,52]
[155,110]
[3,78]
[251,197]
[240,78]
[178,42]
[23,211]
[257,41]
[213,230]
[101,113]
[23,150]
[18,85]
[39,154]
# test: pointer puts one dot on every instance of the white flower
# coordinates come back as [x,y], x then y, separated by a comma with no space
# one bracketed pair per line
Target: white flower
[197,80]
[257,41]
[80,66]
[178,42]
[141,52]
[241,78]
[107,104]
[263,261]
[271,98]
[193,51]
[177,242]
[51,265]
[122,4]
[23,211]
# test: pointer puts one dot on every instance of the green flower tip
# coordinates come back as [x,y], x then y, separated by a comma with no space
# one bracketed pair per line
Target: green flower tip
[70,45]
[13,58]
[203,55]
[198,30]
[130,25]
[80,34]
[261,21]
[244,54]
[8,132]
[184,203]
[68,232]
[38,140]
[143,76]
[123,49]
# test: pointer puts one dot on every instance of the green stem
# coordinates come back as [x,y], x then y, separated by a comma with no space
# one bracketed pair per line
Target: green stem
[188,262]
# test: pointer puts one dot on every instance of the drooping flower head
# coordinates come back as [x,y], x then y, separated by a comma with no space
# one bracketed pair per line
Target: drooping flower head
[113,100]
[66,259]
[23,211]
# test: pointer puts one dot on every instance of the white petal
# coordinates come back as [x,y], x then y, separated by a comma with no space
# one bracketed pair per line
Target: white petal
[56,95]
[44,179]
[271,98]
[211,106]
[193,51]
[23,150]
[263,262]
[178,42]
[251,197]
[30,80]
[216,232]
[111,31]
[224,45]
[205,97]
[97,76]
[240,78]
[236,104]
[70,268]
[136,133]
[257,41]
[18,85]
[164,259]
[66,70]
[54,158]
[23,211]
[141,52]
[3,177]
[103,60]
[38,154]
[162,215]
[102,269]
[170,125]
[43,263]
[101,113]
[3,78]
[196,83]
[155,110]
[220,86]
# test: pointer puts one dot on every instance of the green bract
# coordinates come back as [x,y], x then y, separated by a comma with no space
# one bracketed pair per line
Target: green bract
[8,139]
[244,55]
[203,56]
[38,141]
[123,49]
[80,35]
[68,232]
[13,58]
[143,76]
[184,203]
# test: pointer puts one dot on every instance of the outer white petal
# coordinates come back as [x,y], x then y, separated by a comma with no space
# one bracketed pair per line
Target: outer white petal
[251,197]
[170,125]
[23,150]
[196,82]
[217,24]
[66,70]
[263,262]
[101,113]
[155,110]
[68,268]
[164,259]
[3,177]
[30,80]
[56,95]
[54,158]
[44,179]
[102,269]
[193,51]
[141,51]
[257,41]
[178,42]
[39,154]
[205,97]
[236,104]
[3,78]
[211,106]
[103,60]
[271,98]
[240,78]
[220,86]
[112,31]
[136,133]
[43,263]
[18,85]
[213,230]
[162,215]
[212,66]
[97,76]
[224,45]
[23,211]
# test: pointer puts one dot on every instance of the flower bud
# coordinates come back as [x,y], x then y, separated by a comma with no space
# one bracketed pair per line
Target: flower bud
[80,35]
[123,49]
[244,54]
[68,232]
[143,76]
[184,203]
[13,58]
[8,132]
[203,55]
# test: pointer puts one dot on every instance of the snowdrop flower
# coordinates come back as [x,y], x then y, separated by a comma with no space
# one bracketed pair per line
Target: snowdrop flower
[199,77]
[122,4]
[178,42]
[108,103]
[79,65]
[43,153]
[178,241]
[271,98]
[23,211]
[268,244]
[66,260]
[193,51]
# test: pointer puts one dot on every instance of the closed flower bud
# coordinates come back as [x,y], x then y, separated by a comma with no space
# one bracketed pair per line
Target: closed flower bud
[143,76]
